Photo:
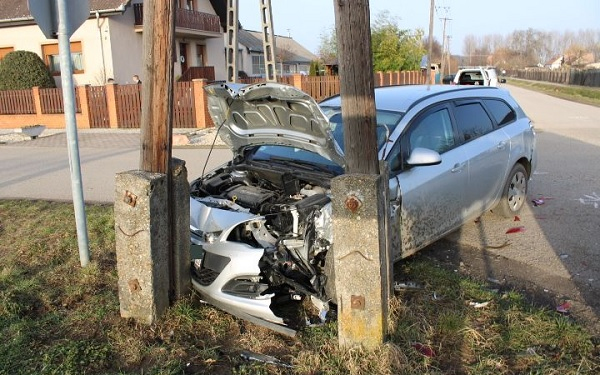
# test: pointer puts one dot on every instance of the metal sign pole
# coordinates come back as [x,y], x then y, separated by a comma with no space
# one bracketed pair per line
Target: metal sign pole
[66,73]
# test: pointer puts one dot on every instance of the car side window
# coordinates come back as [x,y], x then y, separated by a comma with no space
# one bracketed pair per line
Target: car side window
[472,120]
[433,131]
[501,112]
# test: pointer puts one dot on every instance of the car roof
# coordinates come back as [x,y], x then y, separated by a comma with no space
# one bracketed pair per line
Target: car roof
[402,98]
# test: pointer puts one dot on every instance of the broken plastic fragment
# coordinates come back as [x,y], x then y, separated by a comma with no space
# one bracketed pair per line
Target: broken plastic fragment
[515,230]
[409,285]
[426,350]
[538,202]
[252,356]
[479,305]
[564,307]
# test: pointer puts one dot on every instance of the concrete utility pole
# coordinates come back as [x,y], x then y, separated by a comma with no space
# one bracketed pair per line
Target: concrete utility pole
[444,45]
[268,40]
[152,204]
[361,258]
[232,40]
[430,49]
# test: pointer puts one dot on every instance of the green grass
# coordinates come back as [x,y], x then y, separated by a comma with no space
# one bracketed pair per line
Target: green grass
[59,318]
[580,94]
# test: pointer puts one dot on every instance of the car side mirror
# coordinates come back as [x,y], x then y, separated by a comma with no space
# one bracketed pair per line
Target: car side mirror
[423,156]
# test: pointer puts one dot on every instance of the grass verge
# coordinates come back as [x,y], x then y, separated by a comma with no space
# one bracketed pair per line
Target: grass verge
[59,318]
[579,94]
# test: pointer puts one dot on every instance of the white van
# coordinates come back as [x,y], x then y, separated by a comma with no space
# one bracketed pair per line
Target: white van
[477,76]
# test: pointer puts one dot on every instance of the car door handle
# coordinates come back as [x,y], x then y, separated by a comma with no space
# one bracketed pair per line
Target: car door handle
[458,167]
[501,145]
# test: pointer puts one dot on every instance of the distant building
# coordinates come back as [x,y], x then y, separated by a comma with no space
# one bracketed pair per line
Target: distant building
[290,56]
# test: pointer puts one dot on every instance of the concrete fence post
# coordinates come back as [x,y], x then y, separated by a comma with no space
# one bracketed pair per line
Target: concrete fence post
[84,119]
[203,119]
[111,103]
[37,102]
[297,81]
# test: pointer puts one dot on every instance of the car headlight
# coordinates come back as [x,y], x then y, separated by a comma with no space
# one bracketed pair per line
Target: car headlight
[208,237]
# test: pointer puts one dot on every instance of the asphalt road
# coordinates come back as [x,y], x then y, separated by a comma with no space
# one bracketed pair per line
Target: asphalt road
[39,169]
[558,249]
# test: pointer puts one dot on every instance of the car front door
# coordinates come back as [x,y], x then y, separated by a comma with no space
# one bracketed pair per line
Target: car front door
[487,149]
[426,201]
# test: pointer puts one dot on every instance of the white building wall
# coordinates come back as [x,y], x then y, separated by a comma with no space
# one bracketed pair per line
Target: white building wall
[216,57]
[30,38]
[126,48]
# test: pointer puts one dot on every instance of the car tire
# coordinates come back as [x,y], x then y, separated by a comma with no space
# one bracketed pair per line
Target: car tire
[514,194]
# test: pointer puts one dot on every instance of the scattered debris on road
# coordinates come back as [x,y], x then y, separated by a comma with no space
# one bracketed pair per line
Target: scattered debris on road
[516,230]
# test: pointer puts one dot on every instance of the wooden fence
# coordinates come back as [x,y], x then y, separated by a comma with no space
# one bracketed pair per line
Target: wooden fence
[119,106]
[16,102]
[578,77]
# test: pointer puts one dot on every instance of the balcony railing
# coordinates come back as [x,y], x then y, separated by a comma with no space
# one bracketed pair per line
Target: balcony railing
[196,72]
[188,19]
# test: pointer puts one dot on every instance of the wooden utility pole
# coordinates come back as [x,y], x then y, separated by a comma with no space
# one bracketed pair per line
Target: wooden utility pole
[430,49]
[157,94]
[445,46]
[360,255]
[352,24]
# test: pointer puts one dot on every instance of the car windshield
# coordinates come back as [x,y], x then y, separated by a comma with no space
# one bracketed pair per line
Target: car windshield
[295,157]
[386,123]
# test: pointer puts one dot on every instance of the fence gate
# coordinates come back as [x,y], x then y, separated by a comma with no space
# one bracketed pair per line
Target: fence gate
[98,107]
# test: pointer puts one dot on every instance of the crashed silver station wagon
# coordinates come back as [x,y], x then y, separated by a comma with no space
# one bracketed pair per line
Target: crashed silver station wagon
[261,223]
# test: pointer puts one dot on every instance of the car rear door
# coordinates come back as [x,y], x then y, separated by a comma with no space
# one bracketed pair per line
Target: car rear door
[487,149]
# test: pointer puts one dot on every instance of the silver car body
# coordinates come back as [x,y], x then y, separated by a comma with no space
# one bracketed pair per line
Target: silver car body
[261,227]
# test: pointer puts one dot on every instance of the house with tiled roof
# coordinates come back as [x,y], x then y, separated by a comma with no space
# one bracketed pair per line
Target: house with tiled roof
[109,43]
[290,56]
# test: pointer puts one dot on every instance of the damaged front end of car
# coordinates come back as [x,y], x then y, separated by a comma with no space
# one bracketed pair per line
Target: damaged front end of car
[261,229]
[257,250]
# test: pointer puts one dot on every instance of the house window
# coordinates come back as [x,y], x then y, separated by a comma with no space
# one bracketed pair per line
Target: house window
[258,64]
[186,4]
[52,58]
[5,51]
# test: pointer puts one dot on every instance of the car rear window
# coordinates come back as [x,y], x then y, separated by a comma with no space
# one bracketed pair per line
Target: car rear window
[502,112]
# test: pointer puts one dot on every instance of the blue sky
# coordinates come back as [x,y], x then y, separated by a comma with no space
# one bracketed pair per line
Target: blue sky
[306,20]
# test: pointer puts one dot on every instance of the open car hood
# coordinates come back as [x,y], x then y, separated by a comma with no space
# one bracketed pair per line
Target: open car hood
[271,114]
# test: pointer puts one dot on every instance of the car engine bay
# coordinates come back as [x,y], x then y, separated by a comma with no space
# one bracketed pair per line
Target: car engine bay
[287,212]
